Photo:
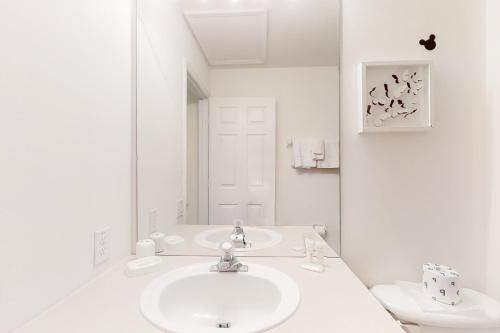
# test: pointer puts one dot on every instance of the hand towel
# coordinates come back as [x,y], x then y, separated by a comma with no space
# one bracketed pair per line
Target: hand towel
[318,150]
[306,151]
[331,160]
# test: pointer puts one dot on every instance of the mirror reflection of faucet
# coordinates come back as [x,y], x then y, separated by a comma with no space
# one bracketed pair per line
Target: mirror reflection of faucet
[237,237]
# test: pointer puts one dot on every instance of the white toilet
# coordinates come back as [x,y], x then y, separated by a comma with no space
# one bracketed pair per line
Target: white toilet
[482,317]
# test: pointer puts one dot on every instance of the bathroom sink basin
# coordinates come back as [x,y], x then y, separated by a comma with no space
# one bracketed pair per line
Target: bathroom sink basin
[258,238]
[193,299]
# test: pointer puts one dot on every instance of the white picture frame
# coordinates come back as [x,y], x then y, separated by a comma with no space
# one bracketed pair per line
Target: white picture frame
[396,96]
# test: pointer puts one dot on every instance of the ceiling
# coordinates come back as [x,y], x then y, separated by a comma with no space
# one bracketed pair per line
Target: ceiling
[265,33]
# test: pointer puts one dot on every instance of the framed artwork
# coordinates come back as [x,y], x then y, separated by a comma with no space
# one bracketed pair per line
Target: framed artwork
[395,96]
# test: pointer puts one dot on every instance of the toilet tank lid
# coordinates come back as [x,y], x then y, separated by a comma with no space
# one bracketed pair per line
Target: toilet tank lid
[406,309]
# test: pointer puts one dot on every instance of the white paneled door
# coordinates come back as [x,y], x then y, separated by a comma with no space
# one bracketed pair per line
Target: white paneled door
[242,154]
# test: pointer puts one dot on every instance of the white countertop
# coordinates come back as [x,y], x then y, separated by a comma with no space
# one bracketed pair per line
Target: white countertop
[292,237]
[332,301]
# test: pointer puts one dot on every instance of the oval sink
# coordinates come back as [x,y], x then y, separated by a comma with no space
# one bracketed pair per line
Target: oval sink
[193,299]
[258,238]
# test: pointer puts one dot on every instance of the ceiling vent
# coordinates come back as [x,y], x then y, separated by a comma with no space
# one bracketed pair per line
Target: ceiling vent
[231,37]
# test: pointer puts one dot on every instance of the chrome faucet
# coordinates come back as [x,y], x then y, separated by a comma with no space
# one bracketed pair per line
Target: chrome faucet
[228,262]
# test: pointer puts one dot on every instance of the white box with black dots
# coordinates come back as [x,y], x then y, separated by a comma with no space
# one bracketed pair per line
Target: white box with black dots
[441,283]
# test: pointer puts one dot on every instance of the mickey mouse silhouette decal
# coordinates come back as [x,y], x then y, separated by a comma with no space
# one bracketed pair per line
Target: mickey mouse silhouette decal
[429,44]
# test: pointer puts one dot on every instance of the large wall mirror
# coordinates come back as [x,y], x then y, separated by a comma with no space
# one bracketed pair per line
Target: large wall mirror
[238,121]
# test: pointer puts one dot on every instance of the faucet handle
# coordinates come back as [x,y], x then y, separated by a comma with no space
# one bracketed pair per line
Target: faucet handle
[226,246]
[238,223]
[227,249]
[227,262]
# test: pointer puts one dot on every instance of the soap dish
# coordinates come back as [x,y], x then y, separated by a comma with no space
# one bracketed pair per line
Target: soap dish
[142,266]
[172,242]
[313,267]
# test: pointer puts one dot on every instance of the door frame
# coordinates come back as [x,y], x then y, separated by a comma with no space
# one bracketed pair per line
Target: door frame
[134,204]
[203,160]
[191,78]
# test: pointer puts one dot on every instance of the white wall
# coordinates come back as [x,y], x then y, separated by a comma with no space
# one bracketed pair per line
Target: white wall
[493,86]
[65,124]
[416,197]
[307,107]
[164,41]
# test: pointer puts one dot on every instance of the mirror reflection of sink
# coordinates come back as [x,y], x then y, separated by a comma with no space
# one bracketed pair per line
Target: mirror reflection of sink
[193,299]
[257,238]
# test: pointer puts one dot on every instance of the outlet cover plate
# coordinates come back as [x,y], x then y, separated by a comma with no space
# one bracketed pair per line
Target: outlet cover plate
[101,245]
[180,208]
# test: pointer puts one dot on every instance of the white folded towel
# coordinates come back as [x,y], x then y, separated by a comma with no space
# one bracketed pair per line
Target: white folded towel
[321,154]
[306,151]
[302,154]
[318,150]
[331,160]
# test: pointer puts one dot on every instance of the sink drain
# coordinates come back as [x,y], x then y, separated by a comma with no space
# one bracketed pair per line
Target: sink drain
[224,325]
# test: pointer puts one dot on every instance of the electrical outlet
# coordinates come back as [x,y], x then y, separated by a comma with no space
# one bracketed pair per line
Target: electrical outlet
[101,245]
[180,208]
[153,221]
